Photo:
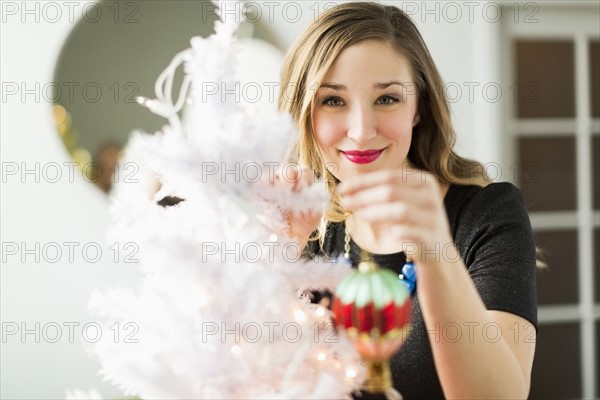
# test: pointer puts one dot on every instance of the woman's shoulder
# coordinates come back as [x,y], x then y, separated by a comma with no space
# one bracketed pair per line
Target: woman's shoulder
[495,194]
[458,193]
[474,202]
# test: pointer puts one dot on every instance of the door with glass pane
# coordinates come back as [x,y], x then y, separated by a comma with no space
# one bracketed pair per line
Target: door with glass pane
[553,147]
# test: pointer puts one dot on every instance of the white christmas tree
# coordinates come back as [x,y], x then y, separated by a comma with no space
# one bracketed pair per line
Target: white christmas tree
[220,312]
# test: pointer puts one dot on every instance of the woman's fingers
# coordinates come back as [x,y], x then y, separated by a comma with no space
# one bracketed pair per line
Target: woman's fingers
[303,178]
[294,177]
[302,223]
[381,188]
[388,193]
[407,177]
[409,206]
[396,213]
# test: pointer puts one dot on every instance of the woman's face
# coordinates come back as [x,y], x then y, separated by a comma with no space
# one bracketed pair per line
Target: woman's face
[365,111]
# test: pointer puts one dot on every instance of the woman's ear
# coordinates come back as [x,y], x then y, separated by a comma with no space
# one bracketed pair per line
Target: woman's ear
[416,119]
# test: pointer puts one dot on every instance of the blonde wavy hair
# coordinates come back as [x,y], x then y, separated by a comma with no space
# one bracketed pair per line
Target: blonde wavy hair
[313,54]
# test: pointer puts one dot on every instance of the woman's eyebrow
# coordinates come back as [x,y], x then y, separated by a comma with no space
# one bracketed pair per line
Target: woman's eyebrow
[385,85]
[333,86]
[381,85]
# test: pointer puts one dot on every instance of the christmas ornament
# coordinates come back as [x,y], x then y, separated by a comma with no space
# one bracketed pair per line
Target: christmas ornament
[409,273]
[374,310]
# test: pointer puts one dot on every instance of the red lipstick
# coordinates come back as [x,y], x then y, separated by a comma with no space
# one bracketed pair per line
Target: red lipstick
[362,157]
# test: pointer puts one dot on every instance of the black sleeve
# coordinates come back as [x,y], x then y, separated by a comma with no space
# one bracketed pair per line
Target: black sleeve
[495,239]
[312,249]
[333,240]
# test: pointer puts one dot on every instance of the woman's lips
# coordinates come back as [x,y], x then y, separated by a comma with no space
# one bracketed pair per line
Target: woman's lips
[362,157]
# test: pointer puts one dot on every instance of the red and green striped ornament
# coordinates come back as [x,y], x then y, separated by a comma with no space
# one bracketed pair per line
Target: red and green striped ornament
[374,309]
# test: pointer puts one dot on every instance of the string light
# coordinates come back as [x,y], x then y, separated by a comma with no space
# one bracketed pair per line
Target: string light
[236,350]
[156,106]
[60,114]
[203,299]
[350,373]
[322,356]
[320,311]
[300,316]
[144,101]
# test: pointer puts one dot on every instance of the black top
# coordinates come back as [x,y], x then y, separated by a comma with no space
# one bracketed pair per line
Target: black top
[492,232]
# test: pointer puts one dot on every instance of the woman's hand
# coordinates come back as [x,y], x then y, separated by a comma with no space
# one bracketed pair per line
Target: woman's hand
[300,225]
[403,205]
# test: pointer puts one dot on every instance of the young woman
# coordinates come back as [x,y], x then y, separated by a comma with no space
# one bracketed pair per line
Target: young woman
[375,125]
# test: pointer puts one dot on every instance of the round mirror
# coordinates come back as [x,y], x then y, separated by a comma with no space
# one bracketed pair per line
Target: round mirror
[115,54]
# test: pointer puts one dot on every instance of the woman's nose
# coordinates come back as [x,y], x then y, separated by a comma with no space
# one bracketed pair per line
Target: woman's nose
[361,124]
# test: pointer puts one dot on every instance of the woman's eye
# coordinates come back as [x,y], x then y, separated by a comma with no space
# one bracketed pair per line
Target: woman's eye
[387,100]
[333,102]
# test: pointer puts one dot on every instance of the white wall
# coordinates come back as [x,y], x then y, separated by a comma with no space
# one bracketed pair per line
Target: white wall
[75,211]
[70,210]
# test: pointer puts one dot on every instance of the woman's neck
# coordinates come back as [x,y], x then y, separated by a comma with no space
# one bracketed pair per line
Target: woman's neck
[371,237]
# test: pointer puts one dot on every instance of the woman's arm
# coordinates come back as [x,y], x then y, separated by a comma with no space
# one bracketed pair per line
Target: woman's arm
[485,361]
[490,359]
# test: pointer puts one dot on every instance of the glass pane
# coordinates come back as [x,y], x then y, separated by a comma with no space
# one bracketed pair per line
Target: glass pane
[556,367]
[558,283]
[598,355]
[595,77]
[545,86]
[597,269]
[546,172]
[596,171]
